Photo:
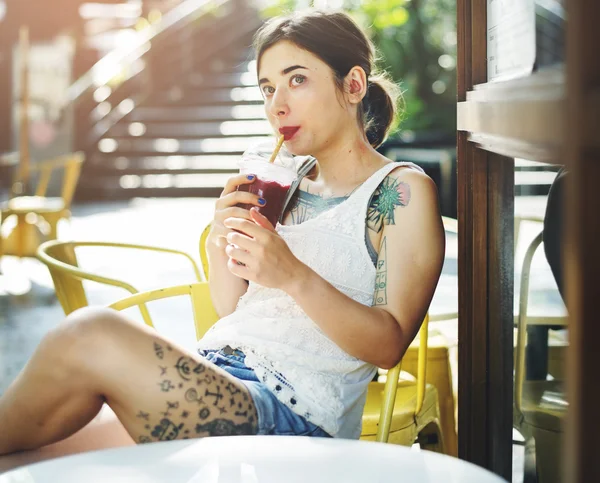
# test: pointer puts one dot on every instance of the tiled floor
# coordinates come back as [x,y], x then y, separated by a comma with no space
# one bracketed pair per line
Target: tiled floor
[28,308]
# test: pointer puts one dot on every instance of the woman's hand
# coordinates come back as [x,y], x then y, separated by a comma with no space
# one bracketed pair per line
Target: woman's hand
[264,256]
[225,207]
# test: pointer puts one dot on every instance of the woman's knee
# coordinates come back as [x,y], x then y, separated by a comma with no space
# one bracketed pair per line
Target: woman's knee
[91,318]
[86,331]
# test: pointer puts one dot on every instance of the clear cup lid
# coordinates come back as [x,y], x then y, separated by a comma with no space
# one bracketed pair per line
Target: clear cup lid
[256,160]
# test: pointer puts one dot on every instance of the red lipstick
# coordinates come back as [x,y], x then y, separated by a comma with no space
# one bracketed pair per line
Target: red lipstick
[288,131]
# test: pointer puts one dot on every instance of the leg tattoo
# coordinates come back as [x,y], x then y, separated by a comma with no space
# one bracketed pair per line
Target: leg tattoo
[187,413]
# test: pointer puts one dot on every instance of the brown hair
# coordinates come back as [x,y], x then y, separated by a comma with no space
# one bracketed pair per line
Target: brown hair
[336,39]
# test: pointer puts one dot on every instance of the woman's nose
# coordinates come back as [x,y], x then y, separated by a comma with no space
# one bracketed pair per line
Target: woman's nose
[279,106]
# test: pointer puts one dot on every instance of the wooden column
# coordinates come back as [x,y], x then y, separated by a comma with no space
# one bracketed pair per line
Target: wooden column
[485,260]
[582,256]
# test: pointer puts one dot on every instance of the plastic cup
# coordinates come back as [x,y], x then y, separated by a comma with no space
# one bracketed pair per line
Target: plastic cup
[272,183]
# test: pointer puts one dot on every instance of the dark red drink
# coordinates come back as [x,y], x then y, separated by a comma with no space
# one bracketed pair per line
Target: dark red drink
[273,192]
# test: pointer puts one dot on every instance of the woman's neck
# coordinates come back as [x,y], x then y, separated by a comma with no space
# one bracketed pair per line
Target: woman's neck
[346,163]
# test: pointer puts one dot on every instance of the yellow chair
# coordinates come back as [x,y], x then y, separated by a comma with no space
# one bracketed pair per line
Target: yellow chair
[61,260]
[400,413]
[540,407]
[37,216]
[403,412]
[203,255]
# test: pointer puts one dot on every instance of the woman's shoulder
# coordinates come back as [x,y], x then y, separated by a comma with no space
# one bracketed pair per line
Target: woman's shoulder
[411,175]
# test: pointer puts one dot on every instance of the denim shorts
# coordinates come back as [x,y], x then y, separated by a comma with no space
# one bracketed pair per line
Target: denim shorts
[274,417]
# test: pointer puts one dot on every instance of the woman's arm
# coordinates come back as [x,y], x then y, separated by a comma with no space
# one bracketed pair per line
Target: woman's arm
[225,287]
[408,268]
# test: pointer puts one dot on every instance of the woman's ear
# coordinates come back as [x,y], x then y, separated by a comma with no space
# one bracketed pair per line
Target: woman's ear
[356,85]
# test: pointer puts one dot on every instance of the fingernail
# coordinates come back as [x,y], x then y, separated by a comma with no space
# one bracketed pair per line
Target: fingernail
[250,177]
[261,201]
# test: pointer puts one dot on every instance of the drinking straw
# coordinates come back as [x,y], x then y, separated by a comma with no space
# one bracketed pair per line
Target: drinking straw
[277,148]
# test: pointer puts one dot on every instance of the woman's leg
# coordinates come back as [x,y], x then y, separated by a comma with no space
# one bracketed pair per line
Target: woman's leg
[104,431]
[157,390]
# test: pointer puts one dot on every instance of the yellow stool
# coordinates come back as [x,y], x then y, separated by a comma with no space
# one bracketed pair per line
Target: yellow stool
[406,428]
[439,375]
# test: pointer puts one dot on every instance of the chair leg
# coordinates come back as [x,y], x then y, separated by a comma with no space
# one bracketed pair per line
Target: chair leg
[530,466]
[21,236]
[53,235]
[430,438]
[1,243]
[548,455]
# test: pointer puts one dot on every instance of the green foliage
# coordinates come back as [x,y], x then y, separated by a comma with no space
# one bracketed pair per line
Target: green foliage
[415,41]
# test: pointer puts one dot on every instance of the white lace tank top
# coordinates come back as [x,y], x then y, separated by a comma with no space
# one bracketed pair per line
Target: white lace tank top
[289,353]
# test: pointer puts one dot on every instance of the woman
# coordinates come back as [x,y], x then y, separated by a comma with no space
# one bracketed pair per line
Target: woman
[308,309]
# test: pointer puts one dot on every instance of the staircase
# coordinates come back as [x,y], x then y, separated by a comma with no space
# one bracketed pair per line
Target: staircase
[189,108]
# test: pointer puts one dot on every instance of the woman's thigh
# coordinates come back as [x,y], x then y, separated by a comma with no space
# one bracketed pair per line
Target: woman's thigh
[158,390]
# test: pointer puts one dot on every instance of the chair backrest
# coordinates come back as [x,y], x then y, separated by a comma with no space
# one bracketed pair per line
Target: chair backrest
[522,320]
[205,317]
[203,311]
[60,257]
[61,260]
[202,249]
[70,164]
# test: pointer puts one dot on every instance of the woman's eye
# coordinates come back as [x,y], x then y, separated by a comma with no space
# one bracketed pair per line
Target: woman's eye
[268,90]
[298,79]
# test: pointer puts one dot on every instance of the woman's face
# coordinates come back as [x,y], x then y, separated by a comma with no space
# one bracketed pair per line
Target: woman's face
[301,99]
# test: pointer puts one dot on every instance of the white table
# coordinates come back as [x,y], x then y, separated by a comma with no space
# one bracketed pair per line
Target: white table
[254,459]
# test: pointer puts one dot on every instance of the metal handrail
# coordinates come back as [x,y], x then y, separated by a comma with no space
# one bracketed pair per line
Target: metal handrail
[184,13]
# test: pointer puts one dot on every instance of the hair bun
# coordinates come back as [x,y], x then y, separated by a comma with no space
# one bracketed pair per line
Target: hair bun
[380,106]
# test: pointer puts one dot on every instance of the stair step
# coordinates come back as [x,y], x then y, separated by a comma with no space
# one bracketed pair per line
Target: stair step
[237,79]
[149,147]
[182,130]
[228,64]
[129,186]
[161,164]
[197,113]
[225,66]
[236,95]
[106,190]
[198,180]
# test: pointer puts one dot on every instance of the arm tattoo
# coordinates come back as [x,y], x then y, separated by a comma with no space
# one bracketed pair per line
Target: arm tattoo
[390,194]
[380,297]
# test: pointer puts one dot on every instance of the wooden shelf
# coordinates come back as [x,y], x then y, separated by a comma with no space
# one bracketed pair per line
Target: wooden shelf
[522,118]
